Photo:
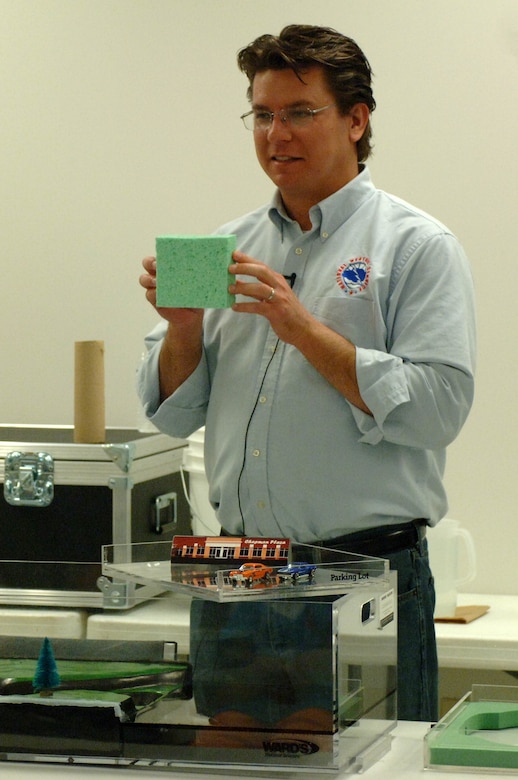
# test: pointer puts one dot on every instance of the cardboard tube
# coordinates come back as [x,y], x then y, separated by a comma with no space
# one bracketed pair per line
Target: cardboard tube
[89,423]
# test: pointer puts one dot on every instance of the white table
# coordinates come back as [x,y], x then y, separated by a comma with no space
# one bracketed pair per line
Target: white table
[164,617]
[489,642]
[43,621]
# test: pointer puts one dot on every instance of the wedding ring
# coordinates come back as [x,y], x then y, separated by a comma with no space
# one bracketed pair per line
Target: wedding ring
[270,297]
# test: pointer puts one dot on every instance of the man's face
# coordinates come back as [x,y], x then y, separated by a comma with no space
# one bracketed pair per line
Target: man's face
[307,163]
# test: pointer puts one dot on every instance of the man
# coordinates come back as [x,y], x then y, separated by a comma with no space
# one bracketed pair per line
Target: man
[332,389]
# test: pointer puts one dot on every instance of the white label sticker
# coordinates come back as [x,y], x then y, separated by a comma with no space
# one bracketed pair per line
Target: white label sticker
[386,612]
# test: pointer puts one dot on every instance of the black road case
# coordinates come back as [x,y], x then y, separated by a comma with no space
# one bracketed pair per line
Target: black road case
[62,501]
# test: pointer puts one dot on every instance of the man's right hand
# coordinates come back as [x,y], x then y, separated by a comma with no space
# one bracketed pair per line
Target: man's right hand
[190,318]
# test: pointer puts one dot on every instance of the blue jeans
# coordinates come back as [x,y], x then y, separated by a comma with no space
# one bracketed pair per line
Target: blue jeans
[417,652]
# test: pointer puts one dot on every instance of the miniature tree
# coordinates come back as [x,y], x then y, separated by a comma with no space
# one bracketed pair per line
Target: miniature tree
[46,676]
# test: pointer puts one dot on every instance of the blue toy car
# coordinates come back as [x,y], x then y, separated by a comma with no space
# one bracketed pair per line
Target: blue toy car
[296,570]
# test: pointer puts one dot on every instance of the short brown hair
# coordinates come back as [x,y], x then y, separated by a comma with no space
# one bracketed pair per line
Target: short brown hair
[302,46]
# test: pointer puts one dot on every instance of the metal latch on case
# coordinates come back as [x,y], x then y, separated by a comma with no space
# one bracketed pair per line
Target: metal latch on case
[29,478]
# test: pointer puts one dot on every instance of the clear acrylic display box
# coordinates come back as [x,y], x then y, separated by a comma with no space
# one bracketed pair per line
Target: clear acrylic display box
[292,676]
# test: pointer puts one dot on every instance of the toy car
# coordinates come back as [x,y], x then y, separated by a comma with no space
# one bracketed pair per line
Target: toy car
[249,573]
[296,570]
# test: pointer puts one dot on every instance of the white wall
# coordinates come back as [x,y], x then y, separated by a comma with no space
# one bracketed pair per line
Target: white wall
[119,121]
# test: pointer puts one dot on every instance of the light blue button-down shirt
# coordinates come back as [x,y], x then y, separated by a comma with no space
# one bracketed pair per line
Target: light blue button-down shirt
[285,453]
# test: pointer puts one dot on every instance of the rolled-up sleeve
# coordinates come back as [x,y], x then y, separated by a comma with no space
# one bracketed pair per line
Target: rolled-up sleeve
[426,407]
[421,390]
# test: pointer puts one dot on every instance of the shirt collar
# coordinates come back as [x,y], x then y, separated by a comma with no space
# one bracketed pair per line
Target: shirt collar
[332,212]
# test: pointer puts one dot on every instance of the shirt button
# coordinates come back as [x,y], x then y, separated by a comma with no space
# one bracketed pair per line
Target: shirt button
[298,251]
[262,399]
[256,453]
[325,235]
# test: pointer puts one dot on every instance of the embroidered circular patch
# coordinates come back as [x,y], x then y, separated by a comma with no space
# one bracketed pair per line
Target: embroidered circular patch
[353,276]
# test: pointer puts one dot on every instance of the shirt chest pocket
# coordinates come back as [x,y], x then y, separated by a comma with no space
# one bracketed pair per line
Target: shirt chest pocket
[357,319]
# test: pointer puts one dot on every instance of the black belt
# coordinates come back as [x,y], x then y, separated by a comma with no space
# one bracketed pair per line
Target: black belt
[378,541]
[375,541]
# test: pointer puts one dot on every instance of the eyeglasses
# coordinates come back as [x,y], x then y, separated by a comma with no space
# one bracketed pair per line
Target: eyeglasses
[293,117]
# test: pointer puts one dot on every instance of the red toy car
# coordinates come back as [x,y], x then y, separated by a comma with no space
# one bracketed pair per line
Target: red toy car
[250,572]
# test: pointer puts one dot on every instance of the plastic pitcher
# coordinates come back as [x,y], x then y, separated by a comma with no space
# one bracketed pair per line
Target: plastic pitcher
[204,521]
[448,545]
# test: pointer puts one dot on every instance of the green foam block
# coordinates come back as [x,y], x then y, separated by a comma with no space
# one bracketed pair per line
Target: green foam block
[192,271]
